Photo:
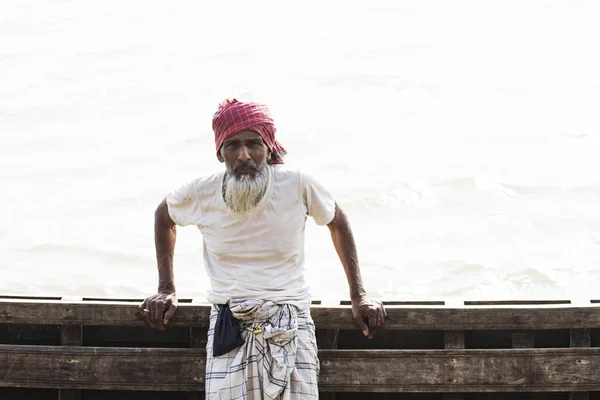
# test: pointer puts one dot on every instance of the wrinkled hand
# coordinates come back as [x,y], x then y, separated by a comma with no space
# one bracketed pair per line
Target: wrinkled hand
[368,314]
[158,310]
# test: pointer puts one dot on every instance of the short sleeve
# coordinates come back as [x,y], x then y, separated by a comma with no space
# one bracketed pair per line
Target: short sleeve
[183,205]
[319,202]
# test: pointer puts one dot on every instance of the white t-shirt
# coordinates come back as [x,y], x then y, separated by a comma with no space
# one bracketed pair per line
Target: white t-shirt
[261,255]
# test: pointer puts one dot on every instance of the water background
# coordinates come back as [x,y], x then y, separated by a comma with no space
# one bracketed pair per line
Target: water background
[462,138]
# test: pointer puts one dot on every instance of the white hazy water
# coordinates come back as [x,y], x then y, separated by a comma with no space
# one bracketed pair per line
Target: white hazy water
[461,137]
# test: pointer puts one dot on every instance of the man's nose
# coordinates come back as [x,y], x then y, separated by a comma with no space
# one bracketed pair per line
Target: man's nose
[244,154]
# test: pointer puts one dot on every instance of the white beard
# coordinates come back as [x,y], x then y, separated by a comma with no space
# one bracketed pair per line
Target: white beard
[243,194]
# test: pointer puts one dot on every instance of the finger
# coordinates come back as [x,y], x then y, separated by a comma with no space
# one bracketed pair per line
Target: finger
[160,315]
[372,321]
[140,311]
[142,306]
[156,315]
[384,311]
[372,333]
[170,313]
[381,316]
[143,312]
[146,313]
[364,328]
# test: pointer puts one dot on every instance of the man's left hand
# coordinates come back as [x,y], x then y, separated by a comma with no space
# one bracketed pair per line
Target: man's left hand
[368,314]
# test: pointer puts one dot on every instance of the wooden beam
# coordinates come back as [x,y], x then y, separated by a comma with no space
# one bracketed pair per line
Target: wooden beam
[507,370]
[339,317]
[440,371]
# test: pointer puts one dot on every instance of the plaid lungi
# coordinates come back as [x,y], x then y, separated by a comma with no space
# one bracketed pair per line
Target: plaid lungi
[277,361]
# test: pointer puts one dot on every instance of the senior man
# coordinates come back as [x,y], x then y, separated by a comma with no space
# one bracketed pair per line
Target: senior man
[261,338]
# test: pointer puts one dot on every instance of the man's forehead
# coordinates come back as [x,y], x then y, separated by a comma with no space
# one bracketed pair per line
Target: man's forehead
[244,135]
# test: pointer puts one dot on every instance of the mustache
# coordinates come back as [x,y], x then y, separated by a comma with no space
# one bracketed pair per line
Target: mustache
[251,165]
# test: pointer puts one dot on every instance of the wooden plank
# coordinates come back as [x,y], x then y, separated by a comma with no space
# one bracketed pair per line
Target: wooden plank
[339,317]
[411,371]
[508,370]
[85,313]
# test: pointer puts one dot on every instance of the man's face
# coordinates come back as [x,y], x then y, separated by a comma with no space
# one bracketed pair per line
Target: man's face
[244,153]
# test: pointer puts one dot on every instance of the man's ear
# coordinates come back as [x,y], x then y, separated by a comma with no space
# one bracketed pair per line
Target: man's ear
[220,157]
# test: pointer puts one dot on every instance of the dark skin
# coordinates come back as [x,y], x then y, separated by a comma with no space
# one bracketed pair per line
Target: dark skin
[243,153]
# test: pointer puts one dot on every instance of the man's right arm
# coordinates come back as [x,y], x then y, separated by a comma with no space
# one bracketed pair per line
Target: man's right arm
[159,309]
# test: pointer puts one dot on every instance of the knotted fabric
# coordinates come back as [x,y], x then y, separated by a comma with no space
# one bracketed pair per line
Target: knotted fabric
[277,361]
[234,116]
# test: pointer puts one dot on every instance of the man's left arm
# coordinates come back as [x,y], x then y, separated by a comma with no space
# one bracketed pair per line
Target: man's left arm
[368,314]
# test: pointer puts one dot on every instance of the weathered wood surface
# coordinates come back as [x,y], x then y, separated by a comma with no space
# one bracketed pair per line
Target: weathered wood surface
[339,317]
[508,370]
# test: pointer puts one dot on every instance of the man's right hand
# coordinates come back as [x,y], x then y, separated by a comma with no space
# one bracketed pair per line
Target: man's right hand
[158,310]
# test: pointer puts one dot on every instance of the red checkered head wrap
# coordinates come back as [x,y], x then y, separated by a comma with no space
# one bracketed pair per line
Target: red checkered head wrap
[234,116]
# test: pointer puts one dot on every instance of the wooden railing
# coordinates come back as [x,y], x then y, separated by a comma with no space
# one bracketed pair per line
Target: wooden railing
[83,346]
